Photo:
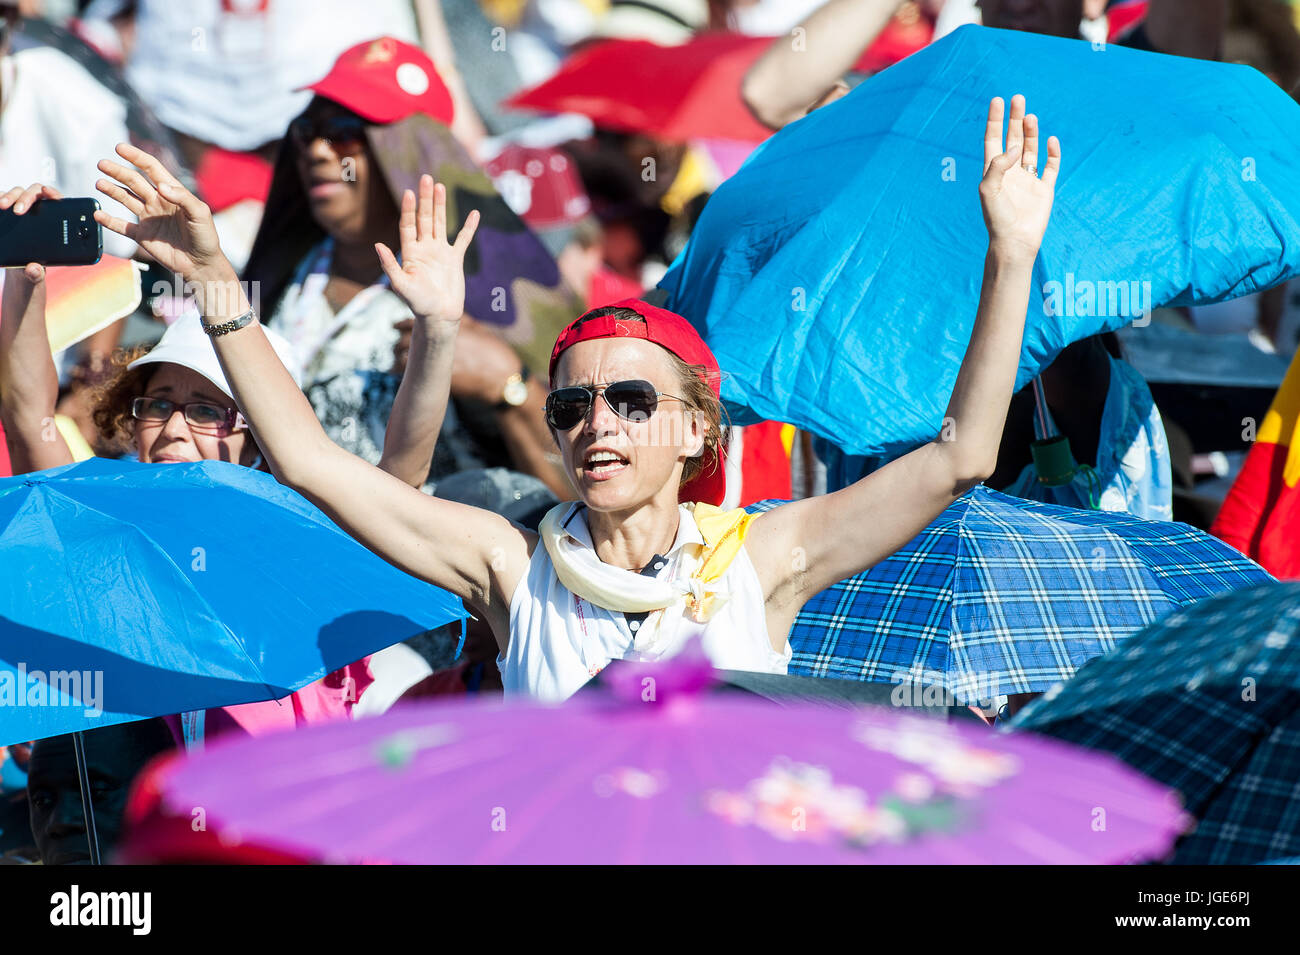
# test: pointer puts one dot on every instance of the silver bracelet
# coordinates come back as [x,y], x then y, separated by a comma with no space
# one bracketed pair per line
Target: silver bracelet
[233,325]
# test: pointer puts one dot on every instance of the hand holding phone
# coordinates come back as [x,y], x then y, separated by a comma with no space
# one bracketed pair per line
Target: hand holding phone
[38,225]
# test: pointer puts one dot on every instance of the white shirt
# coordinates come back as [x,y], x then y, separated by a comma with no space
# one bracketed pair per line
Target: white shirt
[344,357]
[230,72]
[559,641]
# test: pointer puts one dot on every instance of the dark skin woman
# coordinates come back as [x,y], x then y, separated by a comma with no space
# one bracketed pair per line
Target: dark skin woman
[332,181]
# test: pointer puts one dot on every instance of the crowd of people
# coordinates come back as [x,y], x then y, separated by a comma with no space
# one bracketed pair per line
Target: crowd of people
[434,317]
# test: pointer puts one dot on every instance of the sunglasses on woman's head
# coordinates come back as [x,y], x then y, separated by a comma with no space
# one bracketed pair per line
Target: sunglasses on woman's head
[336,130]
[202,416]
[634,400]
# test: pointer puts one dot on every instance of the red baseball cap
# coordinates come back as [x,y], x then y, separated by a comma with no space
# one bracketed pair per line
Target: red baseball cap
[541,185]
[670,331]
[386,80]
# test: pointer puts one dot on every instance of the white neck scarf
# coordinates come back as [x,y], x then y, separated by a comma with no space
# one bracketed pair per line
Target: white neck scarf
[583,573]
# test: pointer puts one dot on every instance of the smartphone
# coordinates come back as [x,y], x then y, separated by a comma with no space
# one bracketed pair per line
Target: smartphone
[51,232]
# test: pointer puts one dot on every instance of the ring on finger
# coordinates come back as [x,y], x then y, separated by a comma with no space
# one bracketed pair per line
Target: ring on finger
[1031,168]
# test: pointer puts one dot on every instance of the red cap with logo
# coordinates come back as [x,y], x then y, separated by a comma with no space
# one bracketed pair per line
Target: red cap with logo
[540,185]
[386,80]
[667,330]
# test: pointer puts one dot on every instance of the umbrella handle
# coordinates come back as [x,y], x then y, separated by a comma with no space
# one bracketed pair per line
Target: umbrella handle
[87,805]
[1044,424]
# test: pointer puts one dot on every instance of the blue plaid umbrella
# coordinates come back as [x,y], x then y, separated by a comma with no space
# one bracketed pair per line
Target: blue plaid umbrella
[1206,701]
[1003,595]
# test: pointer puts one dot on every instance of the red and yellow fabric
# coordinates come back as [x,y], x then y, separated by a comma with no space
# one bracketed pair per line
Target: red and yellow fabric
[765,462]
[1261,515]
[83,299]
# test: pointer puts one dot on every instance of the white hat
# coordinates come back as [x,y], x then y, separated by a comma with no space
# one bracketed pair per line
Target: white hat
[186,344]
[666,22]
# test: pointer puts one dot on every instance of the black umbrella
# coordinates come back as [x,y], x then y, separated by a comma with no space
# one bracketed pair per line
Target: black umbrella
[1206,701]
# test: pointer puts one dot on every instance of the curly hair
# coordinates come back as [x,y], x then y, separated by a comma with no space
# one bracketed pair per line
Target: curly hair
[112,399]
[696,393]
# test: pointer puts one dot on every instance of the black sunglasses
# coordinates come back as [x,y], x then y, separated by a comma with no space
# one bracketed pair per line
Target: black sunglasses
[339,128]
[634,400]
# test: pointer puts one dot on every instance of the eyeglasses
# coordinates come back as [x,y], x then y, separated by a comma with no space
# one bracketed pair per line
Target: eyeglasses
[634,400]
[201,416]
[339,129]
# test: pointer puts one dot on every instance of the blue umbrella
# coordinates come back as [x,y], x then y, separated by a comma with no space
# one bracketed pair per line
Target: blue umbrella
[836,275]
[132,590]
[1206,701]
[1003,595]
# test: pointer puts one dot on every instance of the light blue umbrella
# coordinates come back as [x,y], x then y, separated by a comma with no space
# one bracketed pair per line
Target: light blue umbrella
[136,590]
[837,274]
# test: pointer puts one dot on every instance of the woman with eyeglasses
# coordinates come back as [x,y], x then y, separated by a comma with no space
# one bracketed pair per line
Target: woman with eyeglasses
[172,403]
[637,567]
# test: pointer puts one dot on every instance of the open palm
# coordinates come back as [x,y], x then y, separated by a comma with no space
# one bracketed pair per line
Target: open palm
[1017,202]
[431,275]
[174,226]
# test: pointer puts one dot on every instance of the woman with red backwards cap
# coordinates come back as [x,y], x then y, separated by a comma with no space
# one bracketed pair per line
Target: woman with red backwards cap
[628,571]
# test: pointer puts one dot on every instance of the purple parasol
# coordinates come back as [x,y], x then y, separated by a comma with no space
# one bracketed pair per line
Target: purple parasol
[703,779]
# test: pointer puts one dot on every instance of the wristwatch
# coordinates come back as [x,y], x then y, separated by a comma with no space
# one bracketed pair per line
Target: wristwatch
[515,392]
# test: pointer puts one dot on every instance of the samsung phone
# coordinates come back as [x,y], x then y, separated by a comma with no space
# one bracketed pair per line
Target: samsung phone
[51,232]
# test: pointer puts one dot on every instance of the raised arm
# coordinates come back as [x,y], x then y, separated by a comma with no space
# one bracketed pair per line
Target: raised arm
[481,364]
[419,407]
[466,124]
[798,70]
[29,383]
[844,533]
[473,553]
[421,401]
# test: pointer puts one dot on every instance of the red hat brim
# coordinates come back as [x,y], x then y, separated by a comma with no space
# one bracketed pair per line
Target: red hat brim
[672,332]
[375,94]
